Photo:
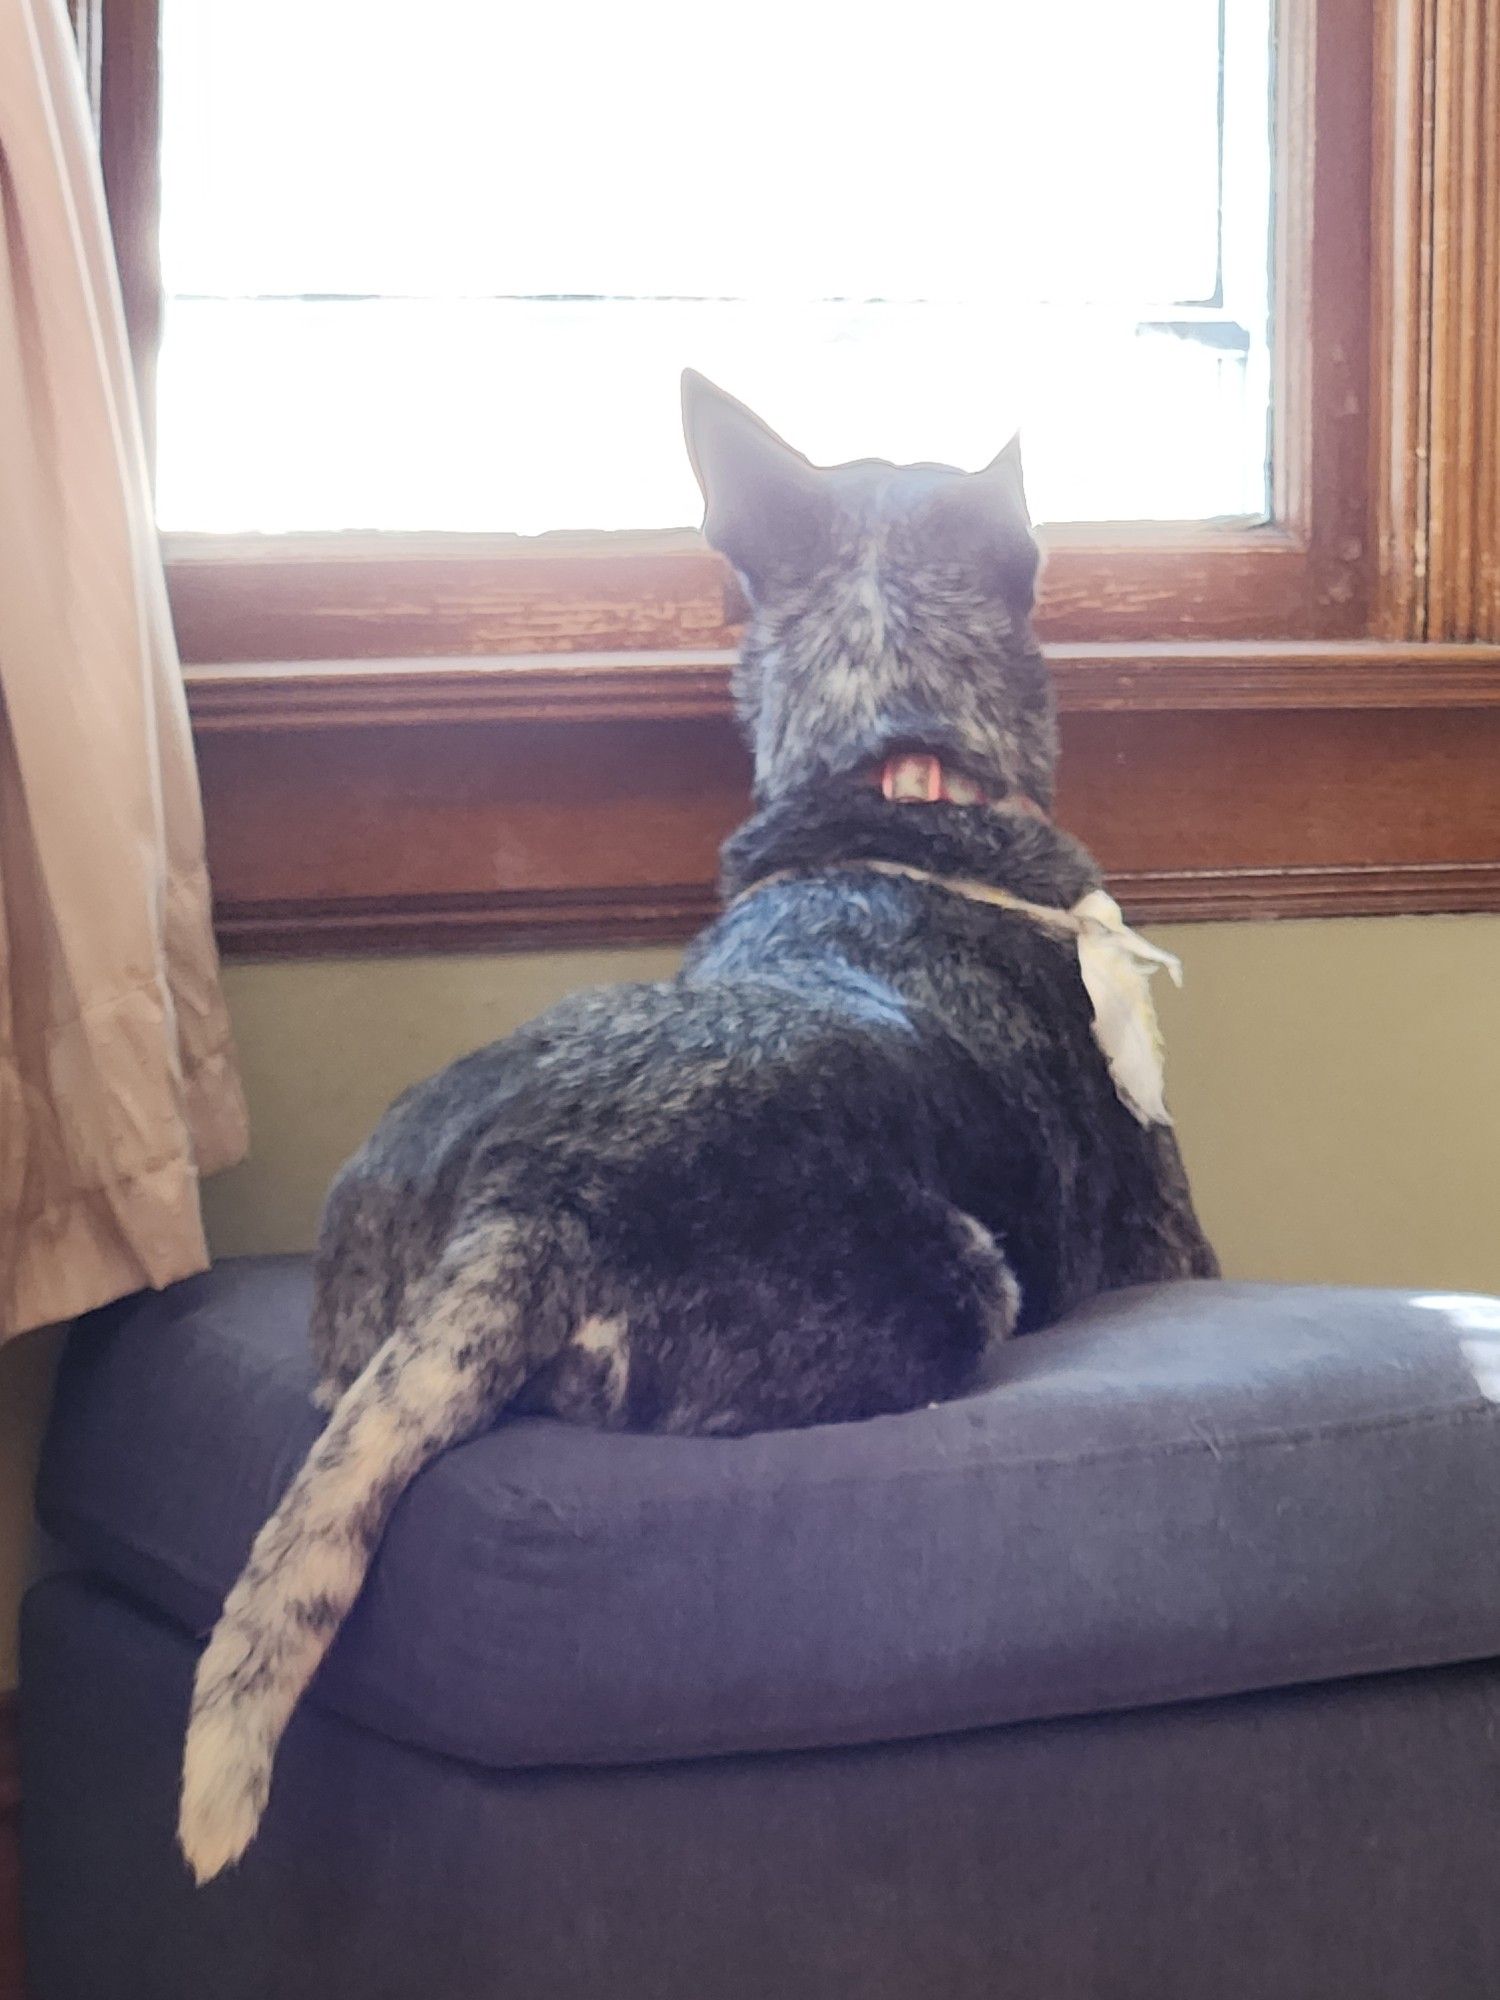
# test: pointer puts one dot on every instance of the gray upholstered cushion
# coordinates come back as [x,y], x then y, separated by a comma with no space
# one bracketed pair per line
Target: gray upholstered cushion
[1185,1490]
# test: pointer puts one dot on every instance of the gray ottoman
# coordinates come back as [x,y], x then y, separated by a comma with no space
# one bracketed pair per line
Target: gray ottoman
[1158,1667]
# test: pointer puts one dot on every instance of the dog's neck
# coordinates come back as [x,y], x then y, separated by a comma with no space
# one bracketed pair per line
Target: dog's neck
[850,819]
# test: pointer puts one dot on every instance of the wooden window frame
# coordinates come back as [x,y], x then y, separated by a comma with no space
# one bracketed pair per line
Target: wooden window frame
[445,740]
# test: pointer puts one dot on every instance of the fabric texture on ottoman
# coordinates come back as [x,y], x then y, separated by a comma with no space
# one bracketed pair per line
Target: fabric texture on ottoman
[1182,1491]
[1328,1843]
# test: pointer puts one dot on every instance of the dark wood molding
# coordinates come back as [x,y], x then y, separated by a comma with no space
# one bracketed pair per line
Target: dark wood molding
[672,915]
[352,597]
[638,686]
[1289,675]
[1356,890]
[480,812]
[12,1978]
[593,687]
[482,921]
[346,597]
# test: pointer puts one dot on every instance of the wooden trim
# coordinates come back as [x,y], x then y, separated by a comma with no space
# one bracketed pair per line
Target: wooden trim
[391,926]
[1401,347]
[332,597]
[671,916]
[1288,677]
[484,806]
[353,598]
[1486,292]
[1463,442]
[12,1978]
[1323,270]
[635,687]
[1438,349]
[1236,895]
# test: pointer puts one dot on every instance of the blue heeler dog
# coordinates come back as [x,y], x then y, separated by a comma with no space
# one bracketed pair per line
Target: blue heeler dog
[901,1102]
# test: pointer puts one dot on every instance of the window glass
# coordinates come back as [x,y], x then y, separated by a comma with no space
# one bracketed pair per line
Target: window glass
[439,266]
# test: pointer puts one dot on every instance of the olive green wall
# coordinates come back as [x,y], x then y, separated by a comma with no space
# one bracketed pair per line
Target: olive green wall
[1336,1085]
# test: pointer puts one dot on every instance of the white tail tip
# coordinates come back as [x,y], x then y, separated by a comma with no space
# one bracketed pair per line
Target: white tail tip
[225,1782]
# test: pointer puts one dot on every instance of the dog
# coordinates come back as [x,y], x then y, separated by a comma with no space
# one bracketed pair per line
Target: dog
[901,1102]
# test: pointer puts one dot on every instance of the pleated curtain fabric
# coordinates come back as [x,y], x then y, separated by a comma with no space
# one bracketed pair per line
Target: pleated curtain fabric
[118,1084]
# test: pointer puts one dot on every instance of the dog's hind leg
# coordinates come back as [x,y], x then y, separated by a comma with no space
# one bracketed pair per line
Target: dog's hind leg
[361,1271]
[954,1297]
[984,1271]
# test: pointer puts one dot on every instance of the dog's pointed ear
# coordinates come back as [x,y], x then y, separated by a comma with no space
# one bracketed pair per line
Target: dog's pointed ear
[1005,471]
[765,506]
[985,514]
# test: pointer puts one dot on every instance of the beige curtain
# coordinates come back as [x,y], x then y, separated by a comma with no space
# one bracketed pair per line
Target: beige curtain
[117,1078]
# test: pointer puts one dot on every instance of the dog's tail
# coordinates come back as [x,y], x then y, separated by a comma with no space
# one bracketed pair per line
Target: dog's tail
[451,1366]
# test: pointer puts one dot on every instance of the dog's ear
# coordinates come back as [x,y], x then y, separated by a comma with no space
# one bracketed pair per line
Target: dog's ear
[1004,471]
[985,515]
[765,506]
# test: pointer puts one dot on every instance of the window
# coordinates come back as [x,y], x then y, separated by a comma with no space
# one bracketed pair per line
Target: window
[425,717]
[447,279]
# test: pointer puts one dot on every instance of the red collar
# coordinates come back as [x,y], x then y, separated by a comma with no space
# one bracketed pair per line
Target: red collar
[917,777]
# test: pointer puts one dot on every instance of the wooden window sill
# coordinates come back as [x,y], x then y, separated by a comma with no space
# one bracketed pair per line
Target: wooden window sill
[479,803]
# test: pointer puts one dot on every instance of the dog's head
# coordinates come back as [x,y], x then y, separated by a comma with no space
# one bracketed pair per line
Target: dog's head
[890,607]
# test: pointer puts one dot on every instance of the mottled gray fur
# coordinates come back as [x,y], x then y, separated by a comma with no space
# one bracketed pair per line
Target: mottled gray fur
[863,1135]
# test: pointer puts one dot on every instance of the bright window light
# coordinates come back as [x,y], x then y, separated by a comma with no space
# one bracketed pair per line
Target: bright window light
[439,267]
